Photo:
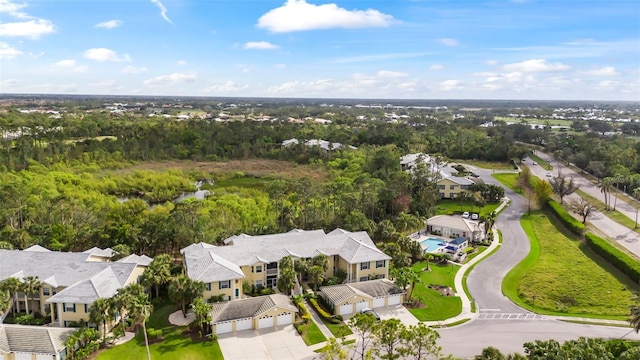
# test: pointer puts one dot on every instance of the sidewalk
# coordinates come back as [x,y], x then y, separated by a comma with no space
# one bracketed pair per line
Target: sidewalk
[316,318]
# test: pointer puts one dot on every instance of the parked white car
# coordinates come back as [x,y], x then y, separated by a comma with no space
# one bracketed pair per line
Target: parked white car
[465,214]
[474,216]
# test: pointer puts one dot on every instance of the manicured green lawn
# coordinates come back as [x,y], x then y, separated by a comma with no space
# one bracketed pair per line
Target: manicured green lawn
[614,215]
[486,164]
[565,276]
[447,207]
[541,162]
[438,307]
[312,334]
[338,330]
[175,346]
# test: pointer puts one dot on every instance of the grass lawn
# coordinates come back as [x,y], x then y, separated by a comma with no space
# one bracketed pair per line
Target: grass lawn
[486,164]
[175,346]
[447,207]
[565,276]
[614,215]
[541,162]
[338,330]
[438,307]
[312,334]
[510,181]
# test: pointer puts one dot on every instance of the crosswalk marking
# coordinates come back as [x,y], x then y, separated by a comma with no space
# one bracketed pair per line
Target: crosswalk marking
[510,316]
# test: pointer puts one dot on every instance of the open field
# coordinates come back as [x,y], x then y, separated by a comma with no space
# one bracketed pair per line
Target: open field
[510,181]
[486,164]
[175,346]
[251,167]
[445,207]
[438,307]
[562,276]
[552,122]
[614,215]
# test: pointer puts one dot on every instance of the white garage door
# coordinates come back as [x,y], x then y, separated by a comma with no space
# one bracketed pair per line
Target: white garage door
[378,302]
[244,324]
[395,300]
[346,309]
[223,328]
[265,322]
[22,356]
[362,305]
[43,357]
[284,319]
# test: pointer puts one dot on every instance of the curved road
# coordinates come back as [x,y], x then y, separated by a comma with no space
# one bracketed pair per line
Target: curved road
[501,323]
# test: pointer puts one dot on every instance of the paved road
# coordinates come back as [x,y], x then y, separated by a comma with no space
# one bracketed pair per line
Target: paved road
[623,235]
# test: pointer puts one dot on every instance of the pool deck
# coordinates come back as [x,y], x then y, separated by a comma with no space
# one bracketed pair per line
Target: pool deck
[424,235]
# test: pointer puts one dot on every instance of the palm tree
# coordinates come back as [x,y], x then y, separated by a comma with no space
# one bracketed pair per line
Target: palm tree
[617,178]
[140,309]
[101,313]
[605,186]
[123,298]
[316,275]
[202,311]
[158,272]
[634,317]
[30,286]
[5,301]
[414,278]
[636,194]
[11,286]
[301,267]
[183,290]
[320,260]
[286,280]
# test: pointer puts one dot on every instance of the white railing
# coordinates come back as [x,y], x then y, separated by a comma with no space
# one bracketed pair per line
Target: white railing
[272,271]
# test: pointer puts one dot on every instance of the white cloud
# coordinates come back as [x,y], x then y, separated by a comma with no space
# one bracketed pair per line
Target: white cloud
[70,64]
[491,62]
[603,71]
[227,87]
[7,52]
[375,57]
[174,78]
[298,15]
[104,54]
[32,29]
[535,65]
[608,84]
[181,62]
[109,24]
[134,70]
[449,85]
[391,74]
[436,67]
[163,10]
[260,45]
[13,9]
[448,41]
[280,66]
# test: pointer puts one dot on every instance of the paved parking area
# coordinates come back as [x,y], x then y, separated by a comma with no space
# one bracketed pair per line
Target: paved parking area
[398,312]
[283,343]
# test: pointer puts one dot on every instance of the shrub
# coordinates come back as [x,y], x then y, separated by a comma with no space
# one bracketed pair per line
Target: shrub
[154,334]
[565,218]
[304,313]
[323,313]
[620,260]
[469,250]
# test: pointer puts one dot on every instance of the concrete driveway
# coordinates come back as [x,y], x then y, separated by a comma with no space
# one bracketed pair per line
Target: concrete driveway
[398,312]
[284,343]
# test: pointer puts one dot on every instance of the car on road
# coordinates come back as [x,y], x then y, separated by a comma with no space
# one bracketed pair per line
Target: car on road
[370,312]
[465,214]
[549,175]
[474,216]
[535,163]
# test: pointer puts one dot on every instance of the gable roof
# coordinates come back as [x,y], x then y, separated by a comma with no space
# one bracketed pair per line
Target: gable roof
[33,339]
[338,294]
[249,308]
[458,241]
[101,285]
[208,267]
[197,246]
[459,180]
[37,248]
[108,252]
[452,222]
[143,260]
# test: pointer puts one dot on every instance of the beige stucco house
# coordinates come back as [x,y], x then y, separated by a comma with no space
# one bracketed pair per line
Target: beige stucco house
[455,226]
[23,342]
[348,299]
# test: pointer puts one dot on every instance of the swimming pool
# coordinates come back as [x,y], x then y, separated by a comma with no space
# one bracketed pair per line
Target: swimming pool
[432,244]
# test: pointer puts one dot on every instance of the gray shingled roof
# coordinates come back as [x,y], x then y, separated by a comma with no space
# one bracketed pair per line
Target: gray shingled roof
[249,308]
[37,248]
[108,252]
[354,247]
[102,285]
[33,339]
[197,246]
[208,267]
[368,289]
[461,180]
[143,260]
[453,222]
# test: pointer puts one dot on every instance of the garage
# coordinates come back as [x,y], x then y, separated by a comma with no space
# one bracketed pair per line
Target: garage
[43,357]
[378,302]
[22,356]
[345,309]
[395,300]
[224,327]
[244,324]
[362,305]
[284,319]
[265,322]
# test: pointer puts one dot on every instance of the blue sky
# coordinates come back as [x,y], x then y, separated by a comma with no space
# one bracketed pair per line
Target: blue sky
[417,49]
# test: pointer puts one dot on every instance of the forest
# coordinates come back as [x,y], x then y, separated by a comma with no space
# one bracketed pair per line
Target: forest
[81,180]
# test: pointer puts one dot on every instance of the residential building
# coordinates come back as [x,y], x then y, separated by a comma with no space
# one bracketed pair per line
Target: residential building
[24,342]
[71,281]
[255,259]
[455,226]
[261,312]
[347,299]
[451,187]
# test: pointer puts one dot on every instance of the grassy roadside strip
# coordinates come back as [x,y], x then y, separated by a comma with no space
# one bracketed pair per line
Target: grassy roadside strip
[614,215]
[509,180]
[459,322]
[541,162]
[595,323]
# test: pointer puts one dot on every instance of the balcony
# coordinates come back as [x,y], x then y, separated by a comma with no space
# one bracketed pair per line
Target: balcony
[272,272]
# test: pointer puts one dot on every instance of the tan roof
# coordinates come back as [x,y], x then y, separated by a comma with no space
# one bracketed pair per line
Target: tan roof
[452,222]
[33,339]
[339,294]
[249,308]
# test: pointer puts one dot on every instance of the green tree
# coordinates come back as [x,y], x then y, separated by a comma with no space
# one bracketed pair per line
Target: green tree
[334,351]
[543,191]
[158,272]
[140,309]
[363,326]
[316,276]
[30,286]
[5,301]
[606,185]
[123,297]
[183,290]
[419,342]
[636,194]
[386,338]
[11,286]
[320,260]
[562,187]
[101,313]
[202,311]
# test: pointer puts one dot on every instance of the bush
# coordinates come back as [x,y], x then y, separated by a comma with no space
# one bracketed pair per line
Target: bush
[304,313]
[620,260]
[565,218]
[323,313]
[154,334]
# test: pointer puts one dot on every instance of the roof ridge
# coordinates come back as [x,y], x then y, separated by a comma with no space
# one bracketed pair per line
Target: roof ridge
[53,343]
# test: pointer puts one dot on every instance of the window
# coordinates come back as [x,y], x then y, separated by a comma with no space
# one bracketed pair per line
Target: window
[364,278]
[258,283]
[224,284]
[364,266]
[259,268]
[47,308]
[451,187]
[208,286]
[45,291]
[379,264]
[452,195]
[87,308]
[464,187]
[69,307]
[442,187]
[441,195]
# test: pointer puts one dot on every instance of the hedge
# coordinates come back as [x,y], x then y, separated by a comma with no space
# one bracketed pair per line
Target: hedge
[623,262]
[325,315]
[565,218]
